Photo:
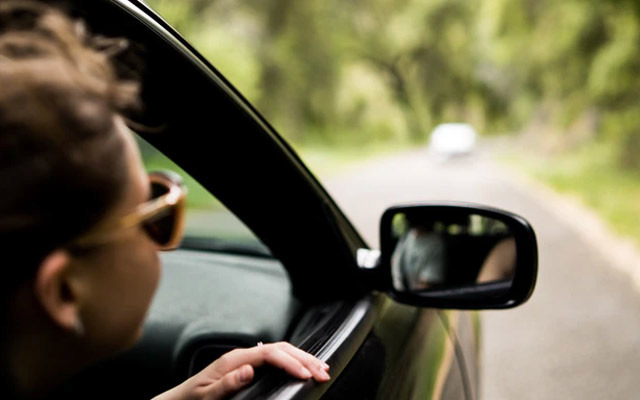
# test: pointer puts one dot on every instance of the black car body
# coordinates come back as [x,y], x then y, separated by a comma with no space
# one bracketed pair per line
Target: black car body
[310,290]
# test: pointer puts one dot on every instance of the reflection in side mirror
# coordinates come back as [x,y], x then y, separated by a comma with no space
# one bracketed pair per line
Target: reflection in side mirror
[458,256]
[428,255]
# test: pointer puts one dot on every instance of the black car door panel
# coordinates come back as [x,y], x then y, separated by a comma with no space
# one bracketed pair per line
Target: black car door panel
[422,361]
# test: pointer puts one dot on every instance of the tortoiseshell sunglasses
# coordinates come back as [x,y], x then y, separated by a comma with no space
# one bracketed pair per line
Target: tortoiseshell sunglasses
[161,217]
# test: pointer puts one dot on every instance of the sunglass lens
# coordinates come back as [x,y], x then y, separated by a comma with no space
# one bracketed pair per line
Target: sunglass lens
[161,227]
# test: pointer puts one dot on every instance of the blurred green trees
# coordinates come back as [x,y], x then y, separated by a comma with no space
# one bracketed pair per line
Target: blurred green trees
[350,73]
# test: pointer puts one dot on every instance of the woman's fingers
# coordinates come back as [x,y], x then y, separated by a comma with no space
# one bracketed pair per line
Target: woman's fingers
[289,357]
[275,356]
[294,361]
[228,384]
[318,368]
[205,387]
[234,370]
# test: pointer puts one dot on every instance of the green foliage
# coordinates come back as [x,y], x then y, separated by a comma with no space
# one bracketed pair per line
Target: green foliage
[590,174]
[198,197]
[386,71]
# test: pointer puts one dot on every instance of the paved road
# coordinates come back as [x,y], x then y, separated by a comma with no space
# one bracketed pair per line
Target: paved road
[579,336]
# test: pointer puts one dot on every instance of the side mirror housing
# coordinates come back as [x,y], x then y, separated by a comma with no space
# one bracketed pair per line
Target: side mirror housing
[456,255]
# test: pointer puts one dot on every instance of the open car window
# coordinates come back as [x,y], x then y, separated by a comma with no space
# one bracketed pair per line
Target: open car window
[209,224]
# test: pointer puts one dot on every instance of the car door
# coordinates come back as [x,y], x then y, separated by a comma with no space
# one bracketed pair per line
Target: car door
[376,347]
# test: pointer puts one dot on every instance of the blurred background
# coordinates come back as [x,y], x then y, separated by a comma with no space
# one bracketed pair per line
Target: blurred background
[541,111]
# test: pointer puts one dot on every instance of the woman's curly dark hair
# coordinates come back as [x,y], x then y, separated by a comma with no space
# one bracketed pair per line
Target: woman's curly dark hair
[61,164]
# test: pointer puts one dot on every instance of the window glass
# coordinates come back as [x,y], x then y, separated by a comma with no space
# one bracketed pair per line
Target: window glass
[319,72]
[209,224]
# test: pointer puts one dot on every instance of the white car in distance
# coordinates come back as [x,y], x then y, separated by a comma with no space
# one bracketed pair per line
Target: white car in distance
[452,139]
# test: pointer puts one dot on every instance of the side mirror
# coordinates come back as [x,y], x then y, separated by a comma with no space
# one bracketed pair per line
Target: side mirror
[457,256]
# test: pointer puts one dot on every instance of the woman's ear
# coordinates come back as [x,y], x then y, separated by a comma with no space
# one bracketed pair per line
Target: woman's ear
[55,291]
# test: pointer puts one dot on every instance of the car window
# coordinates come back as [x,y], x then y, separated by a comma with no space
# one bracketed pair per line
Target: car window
[209,224]
[317,73]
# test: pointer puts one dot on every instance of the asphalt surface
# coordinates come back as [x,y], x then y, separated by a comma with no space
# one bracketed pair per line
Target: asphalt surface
[579,335]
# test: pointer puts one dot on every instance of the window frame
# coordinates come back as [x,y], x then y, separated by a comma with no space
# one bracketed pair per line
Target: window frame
[206,125]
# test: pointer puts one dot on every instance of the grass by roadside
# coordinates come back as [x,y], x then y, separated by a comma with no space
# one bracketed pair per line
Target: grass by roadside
[326,161]
[591,175]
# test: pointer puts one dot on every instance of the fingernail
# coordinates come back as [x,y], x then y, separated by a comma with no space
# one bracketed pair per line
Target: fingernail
[245,374]
[305,373]
[324,375]
[325,366]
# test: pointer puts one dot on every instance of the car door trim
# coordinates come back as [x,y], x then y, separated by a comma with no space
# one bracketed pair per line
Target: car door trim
[337,351]
[340,348]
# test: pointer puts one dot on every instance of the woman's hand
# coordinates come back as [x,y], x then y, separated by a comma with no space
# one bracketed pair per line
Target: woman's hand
[234,370]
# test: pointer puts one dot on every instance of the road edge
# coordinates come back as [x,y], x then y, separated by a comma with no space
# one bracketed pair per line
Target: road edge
[621,251]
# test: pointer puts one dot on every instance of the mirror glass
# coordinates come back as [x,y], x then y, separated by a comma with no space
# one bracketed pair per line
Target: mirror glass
[442,252]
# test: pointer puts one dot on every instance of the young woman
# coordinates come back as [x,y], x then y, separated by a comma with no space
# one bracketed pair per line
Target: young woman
[80,226]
